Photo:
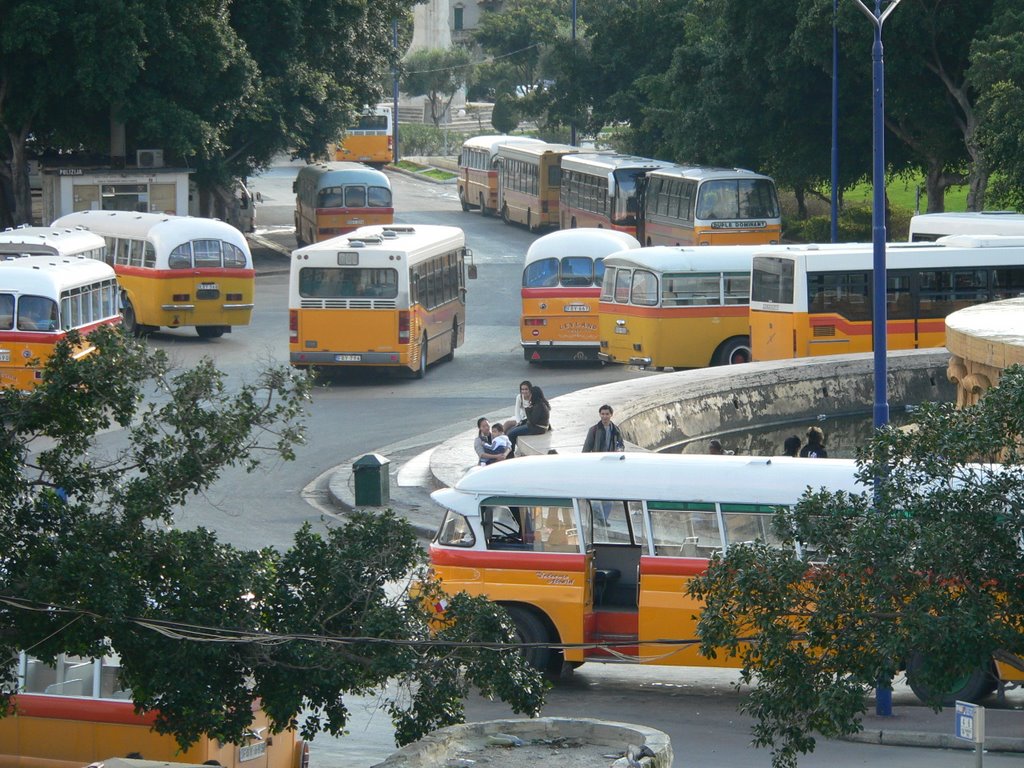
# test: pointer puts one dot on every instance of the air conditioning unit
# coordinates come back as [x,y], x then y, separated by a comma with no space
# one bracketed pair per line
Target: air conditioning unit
[149,158]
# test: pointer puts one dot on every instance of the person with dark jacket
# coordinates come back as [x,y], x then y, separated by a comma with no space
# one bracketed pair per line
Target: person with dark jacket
[815,447]
[538,418]
[604,437]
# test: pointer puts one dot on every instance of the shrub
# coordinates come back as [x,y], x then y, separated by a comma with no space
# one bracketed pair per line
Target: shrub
[424,140]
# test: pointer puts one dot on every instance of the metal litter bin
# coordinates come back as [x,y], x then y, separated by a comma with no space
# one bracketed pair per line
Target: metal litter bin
[372,484]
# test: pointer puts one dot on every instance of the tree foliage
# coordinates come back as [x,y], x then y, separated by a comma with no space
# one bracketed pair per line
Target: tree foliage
[925,571]
[438,75]
[89,562]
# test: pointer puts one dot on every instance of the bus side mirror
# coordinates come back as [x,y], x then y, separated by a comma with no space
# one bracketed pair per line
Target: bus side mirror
[295,187]
[467,254]
[259,197]
[472,271]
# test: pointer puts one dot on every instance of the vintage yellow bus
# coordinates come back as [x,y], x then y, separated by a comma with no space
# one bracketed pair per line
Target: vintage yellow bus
[334,198]
[668,307]
[175,271]
[809,302]
[562,275]
[478,171]
[370,140]
[529,183]
[694,205]
[596,550]
[601,189]
[77,712]
[389,296]
[44,297]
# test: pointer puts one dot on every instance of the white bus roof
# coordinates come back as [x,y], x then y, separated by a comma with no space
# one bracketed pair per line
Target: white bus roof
[49,275]
[60,241]
[166,232]
[688,258]
[702,173]
[595,243]
[335,172]
[491,143]
[651,477]
[597,162]
[415,240]
[532,151]
[962,250]
[967,222]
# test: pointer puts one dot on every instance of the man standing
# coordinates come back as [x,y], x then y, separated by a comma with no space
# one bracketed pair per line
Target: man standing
[604,437]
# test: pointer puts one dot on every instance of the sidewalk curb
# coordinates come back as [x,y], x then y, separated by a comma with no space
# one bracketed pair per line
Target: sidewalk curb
[937,740]
[419,175]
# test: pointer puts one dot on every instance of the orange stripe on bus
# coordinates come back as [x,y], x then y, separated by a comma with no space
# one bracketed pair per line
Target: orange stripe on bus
[673,566]
[495,558]
[629,310]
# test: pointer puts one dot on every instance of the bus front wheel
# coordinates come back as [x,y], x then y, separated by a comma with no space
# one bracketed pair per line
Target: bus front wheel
[504,214]
[530,631]
[483,206]
[972,687]
[462,201]
[455,341]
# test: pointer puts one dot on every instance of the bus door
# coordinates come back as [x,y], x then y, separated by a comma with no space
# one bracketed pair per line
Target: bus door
[684,535]
[613,549]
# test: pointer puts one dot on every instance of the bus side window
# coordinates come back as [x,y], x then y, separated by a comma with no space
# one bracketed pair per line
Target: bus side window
[684,529]
[747,523]
[6,311]
[181,257]
[455,531]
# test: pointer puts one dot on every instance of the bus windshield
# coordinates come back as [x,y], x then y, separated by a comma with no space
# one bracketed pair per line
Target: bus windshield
[737,199]
[625,206]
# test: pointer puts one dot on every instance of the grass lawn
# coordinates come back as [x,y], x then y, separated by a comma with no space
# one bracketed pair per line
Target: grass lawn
[903,192]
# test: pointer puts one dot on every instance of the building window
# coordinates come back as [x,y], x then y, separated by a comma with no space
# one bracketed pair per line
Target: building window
[458,18]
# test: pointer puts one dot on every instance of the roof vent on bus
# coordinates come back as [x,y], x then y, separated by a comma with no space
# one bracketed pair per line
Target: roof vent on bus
[396,230]
[356,244]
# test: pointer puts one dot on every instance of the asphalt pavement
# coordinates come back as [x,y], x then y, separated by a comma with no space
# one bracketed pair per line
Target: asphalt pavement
[415,469]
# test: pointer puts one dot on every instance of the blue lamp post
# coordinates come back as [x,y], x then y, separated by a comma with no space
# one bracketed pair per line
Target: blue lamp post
[883,695]
[835,122]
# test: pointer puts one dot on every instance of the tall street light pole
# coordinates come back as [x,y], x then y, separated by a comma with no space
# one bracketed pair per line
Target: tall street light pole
[883,694]
[394,93]
[835,121]
[572,127]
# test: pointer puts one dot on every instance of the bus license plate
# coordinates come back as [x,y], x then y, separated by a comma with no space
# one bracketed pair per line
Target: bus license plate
[347,358]
[252,751]
[5,355]
[207,287]
[621,329]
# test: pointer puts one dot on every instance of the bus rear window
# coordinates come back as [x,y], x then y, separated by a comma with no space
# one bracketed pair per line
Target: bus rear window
[577,271]
[772,280]
[541,274]
[348,283]
[378,197]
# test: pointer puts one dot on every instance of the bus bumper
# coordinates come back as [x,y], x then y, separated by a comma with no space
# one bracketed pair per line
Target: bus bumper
[533,353]
[345,358]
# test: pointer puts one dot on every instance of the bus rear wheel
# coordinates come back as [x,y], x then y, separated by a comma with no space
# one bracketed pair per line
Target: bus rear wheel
[210,331]
[483,206]
[530,630]
[972,687]
[462,201]
[734,352]
[422,370]
[455,341]
[504,214]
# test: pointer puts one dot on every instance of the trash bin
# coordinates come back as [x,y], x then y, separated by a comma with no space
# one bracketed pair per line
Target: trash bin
[372,484]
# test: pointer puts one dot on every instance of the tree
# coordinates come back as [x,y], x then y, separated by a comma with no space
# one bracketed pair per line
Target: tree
[90,564]
[997,73]
[519,33]
[437,74]
[891,581]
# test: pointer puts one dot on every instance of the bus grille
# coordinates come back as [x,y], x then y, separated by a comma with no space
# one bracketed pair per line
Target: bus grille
[348,304]
[824,330]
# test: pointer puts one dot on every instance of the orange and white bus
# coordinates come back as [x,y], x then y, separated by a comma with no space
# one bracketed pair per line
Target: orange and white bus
[529,183]
[929,227]
[41,299]
[596,551]
[175,271]
[601,189]
[370,140]
[668,307]
[478,171]
[77,712]
[334,198]
[51,241]
[392,296]
[693,205]
[806,302]
[562,277]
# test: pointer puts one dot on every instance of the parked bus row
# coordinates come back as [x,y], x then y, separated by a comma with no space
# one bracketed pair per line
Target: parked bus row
[599,295]
[536,184]
[595,552]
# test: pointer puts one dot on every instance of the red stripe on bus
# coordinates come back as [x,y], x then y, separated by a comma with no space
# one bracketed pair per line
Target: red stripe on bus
[74,708]
[52,337]
[863,327]
[673,566]
[170,274]
[494,558]
[555,292]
